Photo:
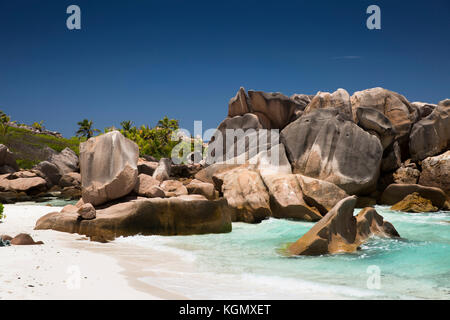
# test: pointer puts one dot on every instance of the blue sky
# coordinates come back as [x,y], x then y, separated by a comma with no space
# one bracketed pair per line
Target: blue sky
[142,60]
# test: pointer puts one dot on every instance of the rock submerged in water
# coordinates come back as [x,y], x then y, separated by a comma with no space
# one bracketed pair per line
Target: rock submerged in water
[414,203]
[339,231]
[108,165]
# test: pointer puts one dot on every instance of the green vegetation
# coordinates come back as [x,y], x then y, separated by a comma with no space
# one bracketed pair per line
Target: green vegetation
[2,216]
[86,129]
[4,119]
[31,148]
[156,142]
[39,125]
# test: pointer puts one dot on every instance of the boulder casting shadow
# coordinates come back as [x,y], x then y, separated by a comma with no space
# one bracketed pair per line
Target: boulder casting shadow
[174,216]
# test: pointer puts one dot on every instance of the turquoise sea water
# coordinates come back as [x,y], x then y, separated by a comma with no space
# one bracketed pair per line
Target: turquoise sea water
[416,266]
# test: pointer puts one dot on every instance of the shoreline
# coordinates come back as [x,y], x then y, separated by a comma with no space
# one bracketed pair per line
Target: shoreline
[148,268]
[116,270]
[67,266]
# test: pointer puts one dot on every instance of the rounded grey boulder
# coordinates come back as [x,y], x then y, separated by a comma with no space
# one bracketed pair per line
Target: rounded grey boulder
[108,165]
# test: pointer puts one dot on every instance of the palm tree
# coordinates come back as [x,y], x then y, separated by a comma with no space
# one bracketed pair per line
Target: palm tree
[126,125]
[165,123]
[86,129]
[4,121]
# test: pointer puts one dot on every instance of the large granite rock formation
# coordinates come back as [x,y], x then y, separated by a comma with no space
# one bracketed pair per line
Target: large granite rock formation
[147,186]
[108,166]
[395,193]
[202,188]
[436,172]
[66,161]
[320,194]
[286,198]
[424,109]
[25,181]
[340,100]
[392,105]
[173,216]
[7,161]
[274,110]
[339,231]
[49,171]
[246,193]
[325,146]
[71,179]
[431,135]
[373,121]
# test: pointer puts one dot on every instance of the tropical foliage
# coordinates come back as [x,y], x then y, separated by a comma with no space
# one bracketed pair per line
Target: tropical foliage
[157,142]
[86,129]
[2,216]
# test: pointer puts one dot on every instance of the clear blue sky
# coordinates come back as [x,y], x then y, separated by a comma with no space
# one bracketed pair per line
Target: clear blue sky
[141,60]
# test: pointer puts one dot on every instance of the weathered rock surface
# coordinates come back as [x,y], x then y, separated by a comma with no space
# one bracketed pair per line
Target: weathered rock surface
[239,105]
[274,110]
[71,193]
[325,146]
[66,161]
[173,188]
[431,135]
[320,194]
[7,160]
[146,167]
[424,109]
[31,185]
[202,188]
[71,179]
[206,174]
[155,216]
[108,166]
[339,231]
[162,171]
[340,99]
[436,172]
[187,171]
[49,172]
[406,175]
[86,212]
[24,239]
[246,193]
[277,108]
[373,120]
[369,223]
[13,196]
[397,192]
[286,198]
[145,186]
[392,105]
[414,203]
[392,158]
[231,138]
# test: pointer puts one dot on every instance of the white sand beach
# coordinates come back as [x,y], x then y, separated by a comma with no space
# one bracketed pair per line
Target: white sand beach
[68,266]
